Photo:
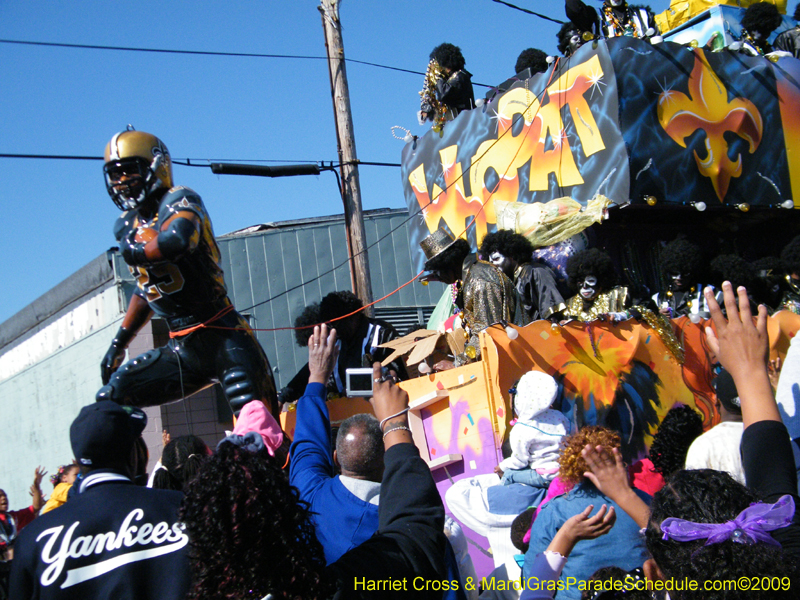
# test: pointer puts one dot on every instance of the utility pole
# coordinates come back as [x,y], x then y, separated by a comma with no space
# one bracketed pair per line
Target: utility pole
[350,186]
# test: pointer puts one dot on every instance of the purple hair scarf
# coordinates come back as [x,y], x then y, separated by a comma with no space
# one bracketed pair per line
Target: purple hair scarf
[751,525]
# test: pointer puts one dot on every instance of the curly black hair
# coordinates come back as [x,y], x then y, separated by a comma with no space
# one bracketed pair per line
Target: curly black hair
[707,496]
[533,59]
[790,255]
[448,56]
[338,304]
[450,258]
[361,454]
[796,15]
[520,526]
[733,268]
[309,316]
[181,460]
[681,256]
[564,35]
[619,591]
[511,245]
[679,428]
[591,262]
[763,17]
[249,533]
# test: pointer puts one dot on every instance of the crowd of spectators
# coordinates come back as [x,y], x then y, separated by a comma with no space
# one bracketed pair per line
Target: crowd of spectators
[244,521]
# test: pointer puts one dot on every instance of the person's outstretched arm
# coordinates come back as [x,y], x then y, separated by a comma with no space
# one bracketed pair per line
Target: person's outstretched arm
[609,475]
[742,347]
[312,463]
[410,542]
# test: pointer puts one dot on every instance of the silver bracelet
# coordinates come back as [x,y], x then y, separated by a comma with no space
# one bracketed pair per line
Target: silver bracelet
[402,412]
[399,427]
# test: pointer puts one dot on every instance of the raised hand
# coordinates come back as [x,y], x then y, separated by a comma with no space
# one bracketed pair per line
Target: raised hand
[322,353]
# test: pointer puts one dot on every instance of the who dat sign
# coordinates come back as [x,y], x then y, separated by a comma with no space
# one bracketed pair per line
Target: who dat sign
[622,118]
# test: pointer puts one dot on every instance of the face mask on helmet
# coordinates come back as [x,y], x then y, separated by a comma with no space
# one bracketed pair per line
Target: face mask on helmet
[126,182]
[137,164]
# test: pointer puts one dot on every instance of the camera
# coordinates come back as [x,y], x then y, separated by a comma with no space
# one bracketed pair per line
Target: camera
[359,382]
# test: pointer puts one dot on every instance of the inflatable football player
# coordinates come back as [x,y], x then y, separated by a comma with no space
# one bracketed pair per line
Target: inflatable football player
[165,237]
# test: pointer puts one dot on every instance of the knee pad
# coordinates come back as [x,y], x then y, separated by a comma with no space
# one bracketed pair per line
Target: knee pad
[139,363]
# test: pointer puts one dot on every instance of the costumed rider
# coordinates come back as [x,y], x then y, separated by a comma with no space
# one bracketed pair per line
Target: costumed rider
[791,262]
[447,89]
[530,62]
[758,23]
[165,237]
[617,18]
[789,40]
[569,39]
[681,263]
[481,292]
[538,295]
[359,338]
[591,273]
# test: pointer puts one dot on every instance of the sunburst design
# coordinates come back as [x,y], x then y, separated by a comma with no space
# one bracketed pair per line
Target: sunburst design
[666,94]
[596,80]
[560,139]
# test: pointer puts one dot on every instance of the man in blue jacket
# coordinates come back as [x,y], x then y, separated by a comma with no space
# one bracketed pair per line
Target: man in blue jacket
[113,539]
[346,505]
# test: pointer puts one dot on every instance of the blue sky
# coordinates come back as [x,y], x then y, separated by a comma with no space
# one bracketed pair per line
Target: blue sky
[55,215]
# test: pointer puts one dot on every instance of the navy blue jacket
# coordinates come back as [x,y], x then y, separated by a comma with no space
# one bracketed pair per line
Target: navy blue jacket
[112,540]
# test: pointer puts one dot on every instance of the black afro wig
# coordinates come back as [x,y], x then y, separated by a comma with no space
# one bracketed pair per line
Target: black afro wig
[733,268]
[309,316]
[533,59]
[509,244]
[338,304]
[762,17]
[564,34]
[791,256]
[681,256]
[448,56]
[591,262]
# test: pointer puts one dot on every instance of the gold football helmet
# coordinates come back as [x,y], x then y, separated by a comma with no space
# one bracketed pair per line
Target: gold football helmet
[137,164]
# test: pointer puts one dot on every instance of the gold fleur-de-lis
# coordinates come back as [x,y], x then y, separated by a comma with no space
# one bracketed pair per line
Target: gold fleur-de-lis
[707,108]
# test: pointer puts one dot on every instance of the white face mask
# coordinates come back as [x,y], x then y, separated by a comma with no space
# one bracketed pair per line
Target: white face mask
[679,281]
[505,264]
[589,288]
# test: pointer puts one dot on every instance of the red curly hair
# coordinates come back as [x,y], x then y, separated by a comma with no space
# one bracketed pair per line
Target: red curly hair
[571,465]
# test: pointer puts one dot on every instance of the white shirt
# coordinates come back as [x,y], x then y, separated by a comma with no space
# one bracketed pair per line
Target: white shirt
[718,449]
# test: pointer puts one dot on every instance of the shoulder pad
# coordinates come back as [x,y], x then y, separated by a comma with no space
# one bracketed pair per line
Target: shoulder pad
[124,224]
[180,198]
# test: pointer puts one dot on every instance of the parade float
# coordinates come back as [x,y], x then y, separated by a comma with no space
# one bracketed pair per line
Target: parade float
[623,145]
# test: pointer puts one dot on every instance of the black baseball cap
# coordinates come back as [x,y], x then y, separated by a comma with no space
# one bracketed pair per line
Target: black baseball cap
[727,394]
[103,433]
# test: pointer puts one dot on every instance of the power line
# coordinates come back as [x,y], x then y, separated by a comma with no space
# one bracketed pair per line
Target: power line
[198,162]
[211,53]
[530,12]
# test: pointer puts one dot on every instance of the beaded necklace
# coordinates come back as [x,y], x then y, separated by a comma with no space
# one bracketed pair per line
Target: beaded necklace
[628,28]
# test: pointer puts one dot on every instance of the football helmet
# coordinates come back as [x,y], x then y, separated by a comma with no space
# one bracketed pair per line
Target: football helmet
[136,165]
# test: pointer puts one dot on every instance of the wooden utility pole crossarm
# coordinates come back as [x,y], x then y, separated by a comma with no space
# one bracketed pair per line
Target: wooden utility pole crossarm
[351,189]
